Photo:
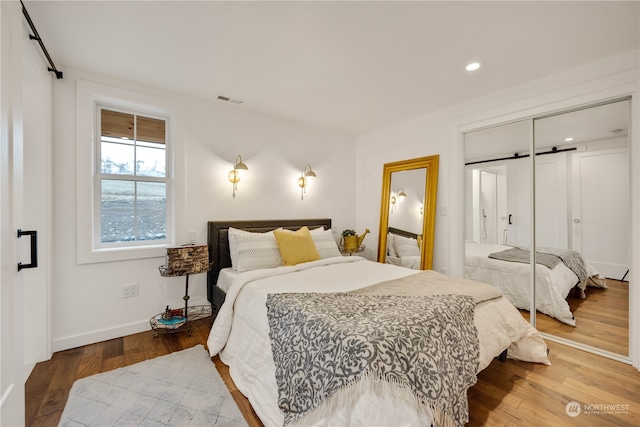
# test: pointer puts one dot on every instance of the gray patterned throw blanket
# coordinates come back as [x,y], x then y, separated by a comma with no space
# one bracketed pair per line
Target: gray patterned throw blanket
[524,256]
[549,257]
[572,259]
[426,347]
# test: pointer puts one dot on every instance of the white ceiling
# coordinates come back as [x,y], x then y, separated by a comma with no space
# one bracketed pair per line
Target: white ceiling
[597,123]
[348,66]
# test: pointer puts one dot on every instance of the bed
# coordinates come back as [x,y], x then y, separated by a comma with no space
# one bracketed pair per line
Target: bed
[403,248]
[512,278]
[241,331]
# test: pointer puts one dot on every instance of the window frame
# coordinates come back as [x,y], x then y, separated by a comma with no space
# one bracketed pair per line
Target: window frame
[99,176]
[88,96]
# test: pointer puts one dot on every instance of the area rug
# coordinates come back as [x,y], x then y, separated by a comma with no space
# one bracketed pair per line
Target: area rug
[179,389]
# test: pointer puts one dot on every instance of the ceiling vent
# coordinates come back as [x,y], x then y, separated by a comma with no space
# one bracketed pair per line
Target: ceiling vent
[227,99]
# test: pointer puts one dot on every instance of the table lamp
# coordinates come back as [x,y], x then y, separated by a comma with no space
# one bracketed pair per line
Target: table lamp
[183,261]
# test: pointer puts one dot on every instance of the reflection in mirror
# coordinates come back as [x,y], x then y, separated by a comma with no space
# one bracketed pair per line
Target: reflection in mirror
[581,221]
[583,217]
[404,237]
[407,212]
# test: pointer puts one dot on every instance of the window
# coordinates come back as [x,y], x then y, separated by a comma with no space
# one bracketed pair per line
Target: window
[131,179]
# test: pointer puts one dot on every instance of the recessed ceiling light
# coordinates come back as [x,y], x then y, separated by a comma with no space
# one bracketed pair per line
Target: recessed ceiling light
[473,66]
[568,139]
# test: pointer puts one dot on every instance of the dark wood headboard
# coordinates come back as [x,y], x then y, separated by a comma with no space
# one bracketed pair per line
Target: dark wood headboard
[403,233]
[218,241]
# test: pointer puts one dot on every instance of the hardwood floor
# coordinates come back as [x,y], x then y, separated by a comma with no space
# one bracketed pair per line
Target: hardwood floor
[527,394]
[507,394]
[602,319]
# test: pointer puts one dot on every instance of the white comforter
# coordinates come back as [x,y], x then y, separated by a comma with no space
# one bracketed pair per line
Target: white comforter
[513,280]
[411,261]
[240,335]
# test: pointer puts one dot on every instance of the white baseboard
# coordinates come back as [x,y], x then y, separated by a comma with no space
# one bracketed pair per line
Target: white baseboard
[101,335]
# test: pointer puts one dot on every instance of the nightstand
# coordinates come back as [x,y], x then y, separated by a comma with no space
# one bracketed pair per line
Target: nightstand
[183,261]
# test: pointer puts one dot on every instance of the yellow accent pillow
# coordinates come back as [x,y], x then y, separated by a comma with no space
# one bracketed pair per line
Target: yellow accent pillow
[296,246]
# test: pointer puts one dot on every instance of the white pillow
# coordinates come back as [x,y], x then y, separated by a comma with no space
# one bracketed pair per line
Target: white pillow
[391,245]
[406,247]
[251,251]
[325,243]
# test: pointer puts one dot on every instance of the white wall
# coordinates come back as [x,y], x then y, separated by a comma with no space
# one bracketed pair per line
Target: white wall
[425,136]
[86,303]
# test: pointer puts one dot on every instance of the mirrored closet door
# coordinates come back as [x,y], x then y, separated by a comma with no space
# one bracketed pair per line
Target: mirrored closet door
[578,220]
[582,208]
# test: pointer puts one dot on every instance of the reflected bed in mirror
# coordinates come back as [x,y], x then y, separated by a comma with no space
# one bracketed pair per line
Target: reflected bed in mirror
[509,269]
[403,248]
[407,212]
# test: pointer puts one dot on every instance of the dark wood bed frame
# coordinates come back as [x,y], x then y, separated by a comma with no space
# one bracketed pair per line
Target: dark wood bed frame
[403,233]
[218,242]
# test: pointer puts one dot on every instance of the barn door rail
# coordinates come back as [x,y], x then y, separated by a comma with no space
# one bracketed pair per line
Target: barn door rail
[36,36]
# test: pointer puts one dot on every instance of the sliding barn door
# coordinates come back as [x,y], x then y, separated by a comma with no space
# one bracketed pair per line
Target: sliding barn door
[11,300]
[600,206]
[551,202]
[36,100]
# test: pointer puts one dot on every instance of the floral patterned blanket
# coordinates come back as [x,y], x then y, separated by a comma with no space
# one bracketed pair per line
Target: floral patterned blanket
[425,347]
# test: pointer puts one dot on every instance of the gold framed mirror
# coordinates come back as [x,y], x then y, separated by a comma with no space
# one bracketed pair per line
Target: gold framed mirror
[414,183]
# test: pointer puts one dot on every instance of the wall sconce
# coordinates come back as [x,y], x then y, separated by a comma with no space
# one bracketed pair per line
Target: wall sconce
[308,175]
[397,197]
[234,176]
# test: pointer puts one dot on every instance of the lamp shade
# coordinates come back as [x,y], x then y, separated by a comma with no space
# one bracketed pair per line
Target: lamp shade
[401,194]
[187,259]
[240,165]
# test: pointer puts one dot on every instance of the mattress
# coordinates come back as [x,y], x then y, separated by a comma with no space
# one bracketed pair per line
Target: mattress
[226,278]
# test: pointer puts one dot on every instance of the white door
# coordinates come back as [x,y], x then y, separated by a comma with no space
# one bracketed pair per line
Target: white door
[11,301]
[551,202]
[488,207]
[600,227]
[519,203]
[36,101]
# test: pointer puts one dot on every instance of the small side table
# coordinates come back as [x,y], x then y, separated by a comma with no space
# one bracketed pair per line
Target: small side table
[189,315]
[195,314]
[349,253]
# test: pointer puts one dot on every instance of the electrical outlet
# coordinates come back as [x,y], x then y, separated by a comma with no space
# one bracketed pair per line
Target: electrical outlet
[130,290]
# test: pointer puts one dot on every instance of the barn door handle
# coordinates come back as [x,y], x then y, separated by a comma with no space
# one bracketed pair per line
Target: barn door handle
[34,249]
[510,219]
